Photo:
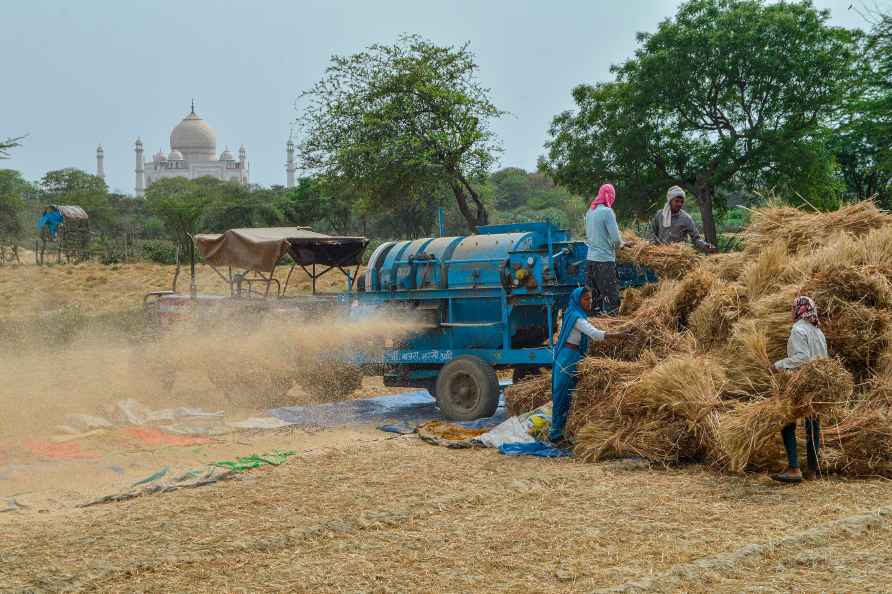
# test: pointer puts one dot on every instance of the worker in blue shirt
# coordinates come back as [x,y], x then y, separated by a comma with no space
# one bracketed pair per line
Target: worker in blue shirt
[603,239]
[52,218]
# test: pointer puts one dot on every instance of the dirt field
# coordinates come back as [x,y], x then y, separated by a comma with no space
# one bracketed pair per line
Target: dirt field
[359,510]
[397,515]
[27,290]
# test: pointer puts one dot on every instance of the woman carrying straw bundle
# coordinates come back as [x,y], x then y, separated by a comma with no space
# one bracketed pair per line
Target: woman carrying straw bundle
[571,346]
[806,343]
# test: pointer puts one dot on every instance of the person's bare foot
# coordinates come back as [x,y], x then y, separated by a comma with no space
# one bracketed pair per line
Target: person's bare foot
[790,475]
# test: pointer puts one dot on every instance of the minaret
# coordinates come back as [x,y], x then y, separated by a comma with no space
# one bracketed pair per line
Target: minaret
[100,157]
[243,163]
[140,170]
[289,164]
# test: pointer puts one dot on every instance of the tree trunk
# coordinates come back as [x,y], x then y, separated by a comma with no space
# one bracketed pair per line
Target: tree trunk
[705,192]
[461,197]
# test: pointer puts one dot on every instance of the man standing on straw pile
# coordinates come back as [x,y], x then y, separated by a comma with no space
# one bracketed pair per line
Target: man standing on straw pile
[806,343]
[674,225]
[603,239]
[571,346]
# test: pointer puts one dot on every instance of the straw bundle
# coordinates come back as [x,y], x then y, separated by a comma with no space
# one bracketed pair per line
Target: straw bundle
[816,388]
[748,429]
[631,301]
[769,271]
[685,386]
[772,314]
[668,261]
[528,394]
[593,440]
[861,442]
[712,320]
[665,440]
[689,293]
[860,335]
[839,284]
[601,381]
[727,266]
[746,362]
[767,224]
[648,331]
[801,230]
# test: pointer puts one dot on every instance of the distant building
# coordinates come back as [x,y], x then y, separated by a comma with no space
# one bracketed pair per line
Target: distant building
[193,154]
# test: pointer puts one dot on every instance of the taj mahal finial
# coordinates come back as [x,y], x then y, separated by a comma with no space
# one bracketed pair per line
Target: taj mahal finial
[193,105]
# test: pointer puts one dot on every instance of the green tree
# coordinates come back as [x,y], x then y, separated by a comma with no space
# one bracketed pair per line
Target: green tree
[180,204]
[862,143]
[398,122]
[13,190]
[727,88]
[312,203]
[231,205]
[522,196]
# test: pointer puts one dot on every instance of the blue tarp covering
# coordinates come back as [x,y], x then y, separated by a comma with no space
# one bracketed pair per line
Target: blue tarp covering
[408,409]
[533,449]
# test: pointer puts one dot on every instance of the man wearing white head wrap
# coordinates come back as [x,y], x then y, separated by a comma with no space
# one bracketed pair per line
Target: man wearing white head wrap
[673,225]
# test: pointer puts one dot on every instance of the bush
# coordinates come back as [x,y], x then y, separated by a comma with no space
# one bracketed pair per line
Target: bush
[161,251]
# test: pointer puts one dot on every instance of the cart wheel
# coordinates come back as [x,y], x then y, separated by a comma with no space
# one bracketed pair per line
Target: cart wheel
[467,389]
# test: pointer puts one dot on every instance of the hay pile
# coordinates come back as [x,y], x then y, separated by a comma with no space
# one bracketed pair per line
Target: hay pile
[668,261]
[528,394]
[694,381]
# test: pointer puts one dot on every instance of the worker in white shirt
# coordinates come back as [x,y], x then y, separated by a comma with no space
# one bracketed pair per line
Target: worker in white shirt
[571,346]
[806,343]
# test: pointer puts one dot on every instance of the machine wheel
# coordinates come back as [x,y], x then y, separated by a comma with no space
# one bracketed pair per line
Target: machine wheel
[467,389]
[518,374]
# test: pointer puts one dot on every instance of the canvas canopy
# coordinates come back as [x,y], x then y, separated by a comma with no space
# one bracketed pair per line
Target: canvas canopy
[261,249]
[70,211]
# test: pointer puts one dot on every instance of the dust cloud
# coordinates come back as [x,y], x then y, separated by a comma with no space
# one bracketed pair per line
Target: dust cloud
[240,362]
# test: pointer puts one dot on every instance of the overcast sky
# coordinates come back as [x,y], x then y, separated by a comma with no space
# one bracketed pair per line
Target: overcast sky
[81,73]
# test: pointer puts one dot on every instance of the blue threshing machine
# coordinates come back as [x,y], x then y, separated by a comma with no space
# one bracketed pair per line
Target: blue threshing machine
[487,301]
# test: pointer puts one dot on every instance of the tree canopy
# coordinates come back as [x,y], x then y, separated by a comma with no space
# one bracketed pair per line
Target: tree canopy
[397,123]
[726,88]
[862,142]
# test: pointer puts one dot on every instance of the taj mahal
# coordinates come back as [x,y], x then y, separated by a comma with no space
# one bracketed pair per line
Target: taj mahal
[193,154]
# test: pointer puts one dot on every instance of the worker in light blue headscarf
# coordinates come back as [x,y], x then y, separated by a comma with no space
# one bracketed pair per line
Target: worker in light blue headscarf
[571,346]
[52,218]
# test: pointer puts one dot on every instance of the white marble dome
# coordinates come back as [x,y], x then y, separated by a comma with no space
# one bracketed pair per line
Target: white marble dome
[226,155]
[193,135]
[175,155]
[159,156]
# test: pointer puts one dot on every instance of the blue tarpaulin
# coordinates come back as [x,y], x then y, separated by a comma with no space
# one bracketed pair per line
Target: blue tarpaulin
[399,410]
[537,448]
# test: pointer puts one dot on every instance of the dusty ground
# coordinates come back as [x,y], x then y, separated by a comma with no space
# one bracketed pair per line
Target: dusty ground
[357,510]
[29,290]
[371,514]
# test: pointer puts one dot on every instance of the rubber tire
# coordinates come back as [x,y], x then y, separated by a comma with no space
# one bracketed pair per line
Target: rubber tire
[482,377]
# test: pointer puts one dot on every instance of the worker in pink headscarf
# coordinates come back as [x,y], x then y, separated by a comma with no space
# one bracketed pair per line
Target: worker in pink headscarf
[603,239]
